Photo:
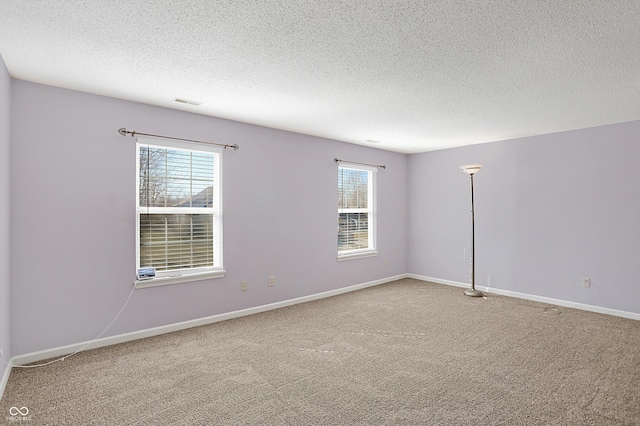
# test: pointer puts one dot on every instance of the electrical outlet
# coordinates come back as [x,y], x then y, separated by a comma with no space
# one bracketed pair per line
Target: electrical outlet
[243,286]
[272,281]
[586,282]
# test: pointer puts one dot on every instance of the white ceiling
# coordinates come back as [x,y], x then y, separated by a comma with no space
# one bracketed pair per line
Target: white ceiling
[415,75]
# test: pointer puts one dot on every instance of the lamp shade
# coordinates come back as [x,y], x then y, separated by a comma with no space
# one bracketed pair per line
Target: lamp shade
[471,168]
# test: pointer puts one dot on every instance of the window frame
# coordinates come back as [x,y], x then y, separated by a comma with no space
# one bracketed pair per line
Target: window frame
[186,274]
[371,210]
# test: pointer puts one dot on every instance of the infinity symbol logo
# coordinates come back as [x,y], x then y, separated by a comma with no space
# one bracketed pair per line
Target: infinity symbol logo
[14,411]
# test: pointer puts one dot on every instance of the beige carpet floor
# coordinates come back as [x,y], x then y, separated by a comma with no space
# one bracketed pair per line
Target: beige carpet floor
[402,353]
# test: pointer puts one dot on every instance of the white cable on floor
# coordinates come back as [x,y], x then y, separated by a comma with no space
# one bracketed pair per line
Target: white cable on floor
[85,346]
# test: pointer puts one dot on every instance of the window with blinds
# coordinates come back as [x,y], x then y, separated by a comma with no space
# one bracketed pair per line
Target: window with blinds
[179,217]
[356,213]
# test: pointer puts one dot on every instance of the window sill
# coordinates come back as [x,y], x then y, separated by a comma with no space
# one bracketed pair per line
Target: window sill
[154,282]
[357,255]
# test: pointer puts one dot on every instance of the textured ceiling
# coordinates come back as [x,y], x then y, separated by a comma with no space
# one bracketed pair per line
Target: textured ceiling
[414,75]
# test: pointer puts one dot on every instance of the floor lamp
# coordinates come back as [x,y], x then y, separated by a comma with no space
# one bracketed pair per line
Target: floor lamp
[472,169]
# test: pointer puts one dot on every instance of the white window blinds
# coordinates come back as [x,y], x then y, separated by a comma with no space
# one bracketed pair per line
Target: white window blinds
[179,216]
[356,212]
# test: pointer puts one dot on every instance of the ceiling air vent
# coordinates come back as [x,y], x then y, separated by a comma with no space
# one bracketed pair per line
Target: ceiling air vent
[187,101]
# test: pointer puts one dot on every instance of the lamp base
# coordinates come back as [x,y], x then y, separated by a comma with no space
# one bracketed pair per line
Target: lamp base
[473,293]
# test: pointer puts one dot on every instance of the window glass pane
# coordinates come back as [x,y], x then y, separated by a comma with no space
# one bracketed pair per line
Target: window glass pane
[352,188]
[175,178]
[176,241]
[353,231]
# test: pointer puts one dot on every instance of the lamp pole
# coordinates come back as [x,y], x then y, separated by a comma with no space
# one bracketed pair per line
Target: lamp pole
[471,170]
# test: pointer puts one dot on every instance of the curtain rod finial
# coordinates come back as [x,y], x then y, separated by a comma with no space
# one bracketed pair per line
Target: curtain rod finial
[235,147]
[122,131]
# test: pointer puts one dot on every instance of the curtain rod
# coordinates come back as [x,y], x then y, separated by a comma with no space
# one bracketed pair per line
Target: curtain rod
[382,166]
[125,132]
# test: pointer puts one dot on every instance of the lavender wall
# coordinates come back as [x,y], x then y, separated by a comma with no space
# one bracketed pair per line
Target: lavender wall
[72,201]
[550,210]
[5,115]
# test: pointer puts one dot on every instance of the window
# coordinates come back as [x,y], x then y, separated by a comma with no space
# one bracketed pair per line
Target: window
[179,215]
[356,211]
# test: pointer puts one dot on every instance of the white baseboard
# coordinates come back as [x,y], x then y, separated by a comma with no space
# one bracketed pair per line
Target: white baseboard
[558,302]
[437,280]
[121,338]
[5,375]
